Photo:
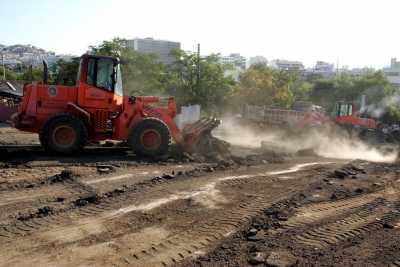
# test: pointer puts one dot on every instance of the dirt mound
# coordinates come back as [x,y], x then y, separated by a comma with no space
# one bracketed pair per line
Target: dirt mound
[210,148]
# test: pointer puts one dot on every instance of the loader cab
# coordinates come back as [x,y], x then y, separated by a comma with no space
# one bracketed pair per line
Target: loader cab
[100,83]
[343,109]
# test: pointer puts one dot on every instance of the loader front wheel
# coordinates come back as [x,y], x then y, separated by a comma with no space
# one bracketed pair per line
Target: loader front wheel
[63,134]
[150,138]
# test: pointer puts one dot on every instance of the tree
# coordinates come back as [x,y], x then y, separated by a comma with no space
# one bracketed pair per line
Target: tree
[374,85]
[36,74]
[65,72]
[198,81]
[9,74]
[261,85]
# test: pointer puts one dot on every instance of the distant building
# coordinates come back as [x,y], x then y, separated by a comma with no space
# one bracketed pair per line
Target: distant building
[25,55]
[257,60]
[361,71]
[234,59]
[323,69]
[392,73]
[287,65]
[322,66]
[162,49]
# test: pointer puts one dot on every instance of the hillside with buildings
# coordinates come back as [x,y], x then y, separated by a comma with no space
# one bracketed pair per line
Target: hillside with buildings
[21,55]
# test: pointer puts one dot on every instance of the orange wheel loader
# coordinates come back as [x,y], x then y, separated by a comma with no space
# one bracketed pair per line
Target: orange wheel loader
[69,117]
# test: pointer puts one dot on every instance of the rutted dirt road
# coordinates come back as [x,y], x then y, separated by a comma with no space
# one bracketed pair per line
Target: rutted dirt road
[115,210]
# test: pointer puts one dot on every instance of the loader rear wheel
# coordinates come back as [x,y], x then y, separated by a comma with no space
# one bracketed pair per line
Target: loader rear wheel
[150,138]
[63,134]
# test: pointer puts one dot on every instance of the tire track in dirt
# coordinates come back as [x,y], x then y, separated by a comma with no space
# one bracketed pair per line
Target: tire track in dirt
[191,243]
[319,211]
[360,223]
[358,216]
[21,203]
[188,243]
[72,190]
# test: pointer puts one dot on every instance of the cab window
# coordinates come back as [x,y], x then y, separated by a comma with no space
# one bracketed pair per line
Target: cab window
[91,72]
[345,110]
[100,73]
[118,84]
[105,72]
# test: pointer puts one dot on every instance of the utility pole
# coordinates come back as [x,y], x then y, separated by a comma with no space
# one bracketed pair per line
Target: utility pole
[198,67]
[2,63]
[337,66]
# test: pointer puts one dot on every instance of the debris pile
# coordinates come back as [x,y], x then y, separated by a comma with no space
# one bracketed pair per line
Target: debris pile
[348,170]
[207,149]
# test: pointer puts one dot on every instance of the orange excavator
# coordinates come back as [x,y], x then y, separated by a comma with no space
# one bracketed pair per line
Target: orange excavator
[95,109]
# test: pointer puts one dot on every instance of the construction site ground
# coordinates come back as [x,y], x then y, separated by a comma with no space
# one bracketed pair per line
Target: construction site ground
[106,207]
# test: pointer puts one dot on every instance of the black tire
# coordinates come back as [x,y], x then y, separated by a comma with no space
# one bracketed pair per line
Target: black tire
[154,127]
[52,139]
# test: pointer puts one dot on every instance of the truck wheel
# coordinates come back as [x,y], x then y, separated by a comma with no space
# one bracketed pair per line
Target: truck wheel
[149,138]
[63,134]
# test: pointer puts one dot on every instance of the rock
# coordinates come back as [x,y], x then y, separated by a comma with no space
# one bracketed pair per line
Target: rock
[66,174]
[281,259]
[224,246]
[257,258]
[341,174]
[282,217]
[120,190]
[256,237]
[168,176]
[63,176]
[359,190]
[270,211]
[60,199]
[210,169]
[105,169]
[358,168]
[388,225]
[252,231]
[45,211]
[81,202]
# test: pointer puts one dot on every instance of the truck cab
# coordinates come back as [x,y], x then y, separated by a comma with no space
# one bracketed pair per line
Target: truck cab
[345,114]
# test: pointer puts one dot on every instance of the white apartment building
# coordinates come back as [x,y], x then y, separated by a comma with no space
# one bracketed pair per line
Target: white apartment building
[162,49]
[234,59]
[392,72]
[288,65]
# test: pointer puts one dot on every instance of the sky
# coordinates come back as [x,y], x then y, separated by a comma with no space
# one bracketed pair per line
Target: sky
[356,33]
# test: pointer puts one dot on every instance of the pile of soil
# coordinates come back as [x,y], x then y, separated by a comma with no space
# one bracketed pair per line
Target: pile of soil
[210,148]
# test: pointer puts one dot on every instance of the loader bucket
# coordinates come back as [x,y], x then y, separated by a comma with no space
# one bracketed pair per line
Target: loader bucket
[197,131]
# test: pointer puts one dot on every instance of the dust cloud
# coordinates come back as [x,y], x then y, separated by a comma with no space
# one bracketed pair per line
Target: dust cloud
[323,142]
